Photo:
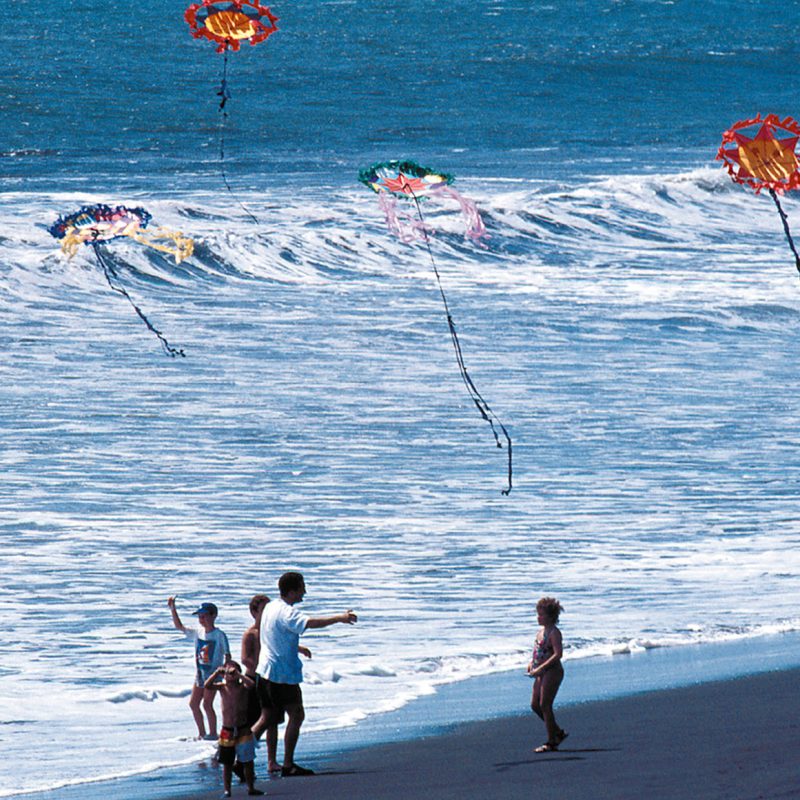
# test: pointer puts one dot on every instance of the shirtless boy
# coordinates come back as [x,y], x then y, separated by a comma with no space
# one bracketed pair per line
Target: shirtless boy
[235,740]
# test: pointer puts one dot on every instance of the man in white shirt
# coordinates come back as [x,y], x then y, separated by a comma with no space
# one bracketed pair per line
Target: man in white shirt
[279,667]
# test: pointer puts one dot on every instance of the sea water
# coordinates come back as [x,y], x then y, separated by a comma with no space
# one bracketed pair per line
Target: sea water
[633,321]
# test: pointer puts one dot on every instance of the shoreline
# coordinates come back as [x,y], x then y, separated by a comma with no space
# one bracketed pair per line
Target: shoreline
[488,703]
[719,740]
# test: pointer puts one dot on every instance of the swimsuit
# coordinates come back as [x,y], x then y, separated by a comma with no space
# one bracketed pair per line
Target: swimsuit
[542,650]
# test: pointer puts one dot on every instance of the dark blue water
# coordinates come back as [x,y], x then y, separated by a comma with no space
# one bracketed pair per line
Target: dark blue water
[119,92]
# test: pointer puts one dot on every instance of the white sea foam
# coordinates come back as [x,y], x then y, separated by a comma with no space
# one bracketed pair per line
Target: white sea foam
[635,333]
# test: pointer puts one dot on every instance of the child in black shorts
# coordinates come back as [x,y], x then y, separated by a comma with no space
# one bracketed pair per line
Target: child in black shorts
[235,741]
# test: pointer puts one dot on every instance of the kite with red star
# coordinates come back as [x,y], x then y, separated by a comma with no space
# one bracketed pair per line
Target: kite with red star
[760,153]
[409,183]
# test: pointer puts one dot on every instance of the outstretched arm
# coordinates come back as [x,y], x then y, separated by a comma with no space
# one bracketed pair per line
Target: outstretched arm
[176,620]
[348,618]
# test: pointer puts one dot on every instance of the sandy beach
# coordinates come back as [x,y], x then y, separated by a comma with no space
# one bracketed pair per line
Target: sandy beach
[731,740]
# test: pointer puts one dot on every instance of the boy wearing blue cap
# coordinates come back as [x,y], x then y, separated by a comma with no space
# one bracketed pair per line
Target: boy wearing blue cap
[212,651]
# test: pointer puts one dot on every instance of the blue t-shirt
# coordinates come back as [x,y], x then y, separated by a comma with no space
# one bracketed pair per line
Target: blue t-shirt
[210,647]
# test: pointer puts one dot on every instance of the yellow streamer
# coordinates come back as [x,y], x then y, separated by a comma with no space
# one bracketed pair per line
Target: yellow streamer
[182,246]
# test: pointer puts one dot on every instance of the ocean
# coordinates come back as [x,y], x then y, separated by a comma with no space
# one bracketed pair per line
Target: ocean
[632,320]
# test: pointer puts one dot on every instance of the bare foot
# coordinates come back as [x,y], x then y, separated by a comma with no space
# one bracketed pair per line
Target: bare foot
[273,766]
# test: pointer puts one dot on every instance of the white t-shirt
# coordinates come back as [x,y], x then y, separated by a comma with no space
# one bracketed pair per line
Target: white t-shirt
[281,626]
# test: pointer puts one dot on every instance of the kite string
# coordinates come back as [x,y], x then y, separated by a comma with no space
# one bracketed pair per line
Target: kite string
[224,94]
[108,271]
[785,221]
[481,404]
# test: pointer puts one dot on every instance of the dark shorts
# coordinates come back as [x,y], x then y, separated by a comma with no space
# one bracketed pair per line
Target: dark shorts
[253,702]
[277,697]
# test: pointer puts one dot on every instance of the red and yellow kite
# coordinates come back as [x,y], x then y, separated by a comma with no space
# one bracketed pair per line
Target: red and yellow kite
[760,153]
[229,22]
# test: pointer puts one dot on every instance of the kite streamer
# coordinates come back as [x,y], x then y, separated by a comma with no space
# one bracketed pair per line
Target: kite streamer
[95,225]
[395,181]
[227,23]
[760,153]
[398,181]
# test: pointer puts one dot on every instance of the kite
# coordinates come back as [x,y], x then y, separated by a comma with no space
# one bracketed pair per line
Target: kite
[228,23]
[760,153]
[98,224]
[407,181]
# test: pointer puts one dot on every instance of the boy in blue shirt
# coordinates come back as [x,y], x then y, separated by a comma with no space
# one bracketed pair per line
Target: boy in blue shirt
[212,651]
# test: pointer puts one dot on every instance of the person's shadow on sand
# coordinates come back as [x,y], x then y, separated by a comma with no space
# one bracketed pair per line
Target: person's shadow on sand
[560,755]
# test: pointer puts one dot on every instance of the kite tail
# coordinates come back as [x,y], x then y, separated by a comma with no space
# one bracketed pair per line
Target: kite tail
[785,221]
[482,406]
[224,95]
[402,225]
[109,271]
[182,247]
[476,230]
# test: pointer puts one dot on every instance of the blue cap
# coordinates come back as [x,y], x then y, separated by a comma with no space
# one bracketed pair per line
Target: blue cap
[206,608]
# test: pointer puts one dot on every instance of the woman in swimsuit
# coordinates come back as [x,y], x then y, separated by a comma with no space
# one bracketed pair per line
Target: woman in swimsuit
[546,668]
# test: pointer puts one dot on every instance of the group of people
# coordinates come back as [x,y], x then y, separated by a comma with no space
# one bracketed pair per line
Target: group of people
[267,692]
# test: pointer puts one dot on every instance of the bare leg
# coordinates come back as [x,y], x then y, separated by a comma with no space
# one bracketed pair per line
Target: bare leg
[226,779]
[208,706]
[265,721]
[536,698]
[250,777]
[272,749]
[296,716]
[194,705]
[548,688]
